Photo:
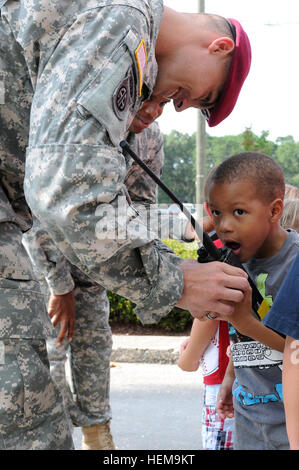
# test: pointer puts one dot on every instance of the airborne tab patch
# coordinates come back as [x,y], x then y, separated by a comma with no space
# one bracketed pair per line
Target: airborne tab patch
[141,57]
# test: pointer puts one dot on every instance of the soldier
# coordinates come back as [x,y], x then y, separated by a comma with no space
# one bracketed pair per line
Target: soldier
[77,300]
[32,414]
[89,65]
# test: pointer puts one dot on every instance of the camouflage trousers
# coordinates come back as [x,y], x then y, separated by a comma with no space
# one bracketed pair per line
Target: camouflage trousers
[81,368]
[32,416]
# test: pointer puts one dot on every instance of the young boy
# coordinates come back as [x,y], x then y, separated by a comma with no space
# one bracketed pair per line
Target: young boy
[245,201]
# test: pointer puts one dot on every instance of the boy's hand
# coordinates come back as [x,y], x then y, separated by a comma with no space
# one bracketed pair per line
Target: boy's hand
[61,309]
[242,312]
[224,406]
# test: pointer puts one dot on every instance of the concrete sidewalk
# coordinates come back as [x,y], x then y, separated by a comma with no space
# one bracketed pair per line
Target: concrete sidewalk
[146,349]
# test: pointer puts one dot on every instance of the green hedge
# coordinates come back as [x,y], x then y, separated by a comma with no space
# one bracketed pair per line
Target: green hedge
[122,310]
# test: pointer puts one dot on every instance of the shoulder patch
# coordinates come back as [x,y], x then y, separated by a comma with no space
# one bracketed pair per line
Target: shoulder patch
[123,95]
[141,58]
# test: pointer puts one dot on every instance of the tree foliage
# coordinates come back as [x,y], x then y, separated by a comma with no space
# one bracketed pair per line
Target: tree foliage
[287,154]
[180,154]
[179,166]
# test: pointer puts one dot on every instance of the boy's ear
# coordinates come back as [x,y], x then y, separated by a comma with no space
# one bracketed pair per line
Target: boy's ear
[276,210]
[207,209]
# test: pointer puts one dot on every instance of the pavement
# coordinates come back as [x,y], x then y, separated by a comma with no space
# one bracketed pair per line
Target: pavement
[155,405]
[146,349]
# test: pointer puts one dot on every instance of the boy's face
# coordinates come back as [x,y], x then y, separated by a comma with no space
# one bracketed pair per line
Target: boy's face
[241,219]
[148,113]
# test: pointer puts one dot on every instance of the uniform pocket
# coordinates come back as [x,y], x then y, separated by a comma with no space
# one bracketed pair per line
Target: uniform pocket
[14,261]
[25,383]
[115,84]
[23,312]
[40,393]
[11,388]
[32,415]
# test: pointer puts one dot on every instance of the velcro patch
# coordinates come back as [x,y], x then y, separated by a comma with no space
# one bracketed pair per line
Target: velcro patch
[141,58]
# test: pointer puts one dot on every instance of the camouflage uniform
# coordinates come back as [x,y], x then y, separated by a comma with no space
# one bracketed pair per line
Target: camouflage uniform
[31,409]
[148,145]
[87,400]
[86,62]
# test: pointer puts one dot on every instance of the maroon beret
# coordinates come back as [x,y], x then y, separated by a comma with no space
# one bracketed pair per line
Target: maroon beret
[239,68]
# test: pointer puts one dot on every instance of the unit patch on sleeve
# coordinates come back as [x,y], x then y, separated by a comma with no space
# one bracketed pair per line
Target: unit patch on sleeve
[123,95]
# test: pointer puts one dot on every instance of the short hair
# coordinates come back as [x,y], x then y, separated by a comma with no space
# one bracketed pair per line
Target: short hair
[263,171]
[207,184]
[290,215]
[218,24]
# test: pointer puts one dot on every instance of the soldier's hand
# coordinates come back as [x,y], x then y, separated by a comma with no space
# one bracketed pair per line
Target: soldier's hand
[61,309]
[211,287]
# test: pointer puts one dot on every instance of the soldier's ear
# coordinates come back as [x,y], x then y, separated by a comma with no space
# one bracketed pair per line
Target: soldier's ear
[222,46]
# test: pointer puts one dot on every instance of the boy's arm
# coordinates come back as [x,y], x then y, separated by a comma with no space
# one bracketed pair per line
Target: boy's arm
[290,381]
[224,404]
[246,323]
[201,334]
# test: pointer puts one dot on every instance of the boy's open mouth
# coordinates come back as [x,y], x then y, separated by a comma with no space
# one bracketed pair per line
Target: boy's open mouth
[234,246]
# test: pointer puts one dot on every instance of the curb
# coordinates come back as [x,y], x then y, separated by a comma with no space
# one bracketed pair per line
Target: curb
[146,349]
